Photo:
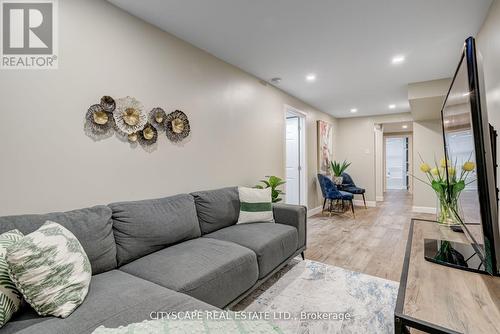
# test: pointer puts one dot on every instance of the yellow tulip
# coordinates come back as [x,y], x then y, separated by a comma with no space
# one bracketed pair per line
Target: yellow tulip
[425,168]
[444,162]
[469,166]
[451,171]
[435,171]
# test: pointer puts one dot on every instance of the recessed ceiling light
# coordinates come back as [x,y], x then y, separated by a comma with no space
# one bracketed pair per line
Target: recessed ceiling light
[392,106]
[405,126]
[398,59]
[276,80]
[353,110]
[446,121]
[311,77]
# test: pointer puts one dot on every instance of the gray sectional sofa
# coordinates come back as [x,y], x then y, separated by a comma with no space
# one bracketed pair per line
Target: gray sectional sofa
[179,253]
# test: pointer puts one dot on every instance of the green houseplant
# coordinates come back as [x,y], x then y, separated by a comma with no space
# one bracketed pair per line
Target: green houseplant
[337,168]
[273,182]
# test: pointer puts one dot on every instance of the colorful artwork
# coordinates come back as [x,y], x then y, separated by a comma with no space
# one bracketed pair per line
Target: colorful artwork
[325,146]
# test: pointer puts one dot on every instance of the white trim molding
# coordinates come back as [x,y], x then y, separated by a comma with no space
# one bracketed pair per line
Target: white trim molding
[314,211]
[424,209]
[288,109]
[359,202]
[380,198]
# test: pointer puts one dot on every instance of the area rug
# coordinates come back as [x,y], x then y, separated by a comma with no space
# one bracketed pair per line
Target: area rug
[195,326]
[312,297]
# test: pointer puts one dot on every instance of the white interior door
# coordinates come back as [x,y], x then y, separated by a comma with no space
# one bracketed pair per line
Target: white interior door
[396,162]
[292,187]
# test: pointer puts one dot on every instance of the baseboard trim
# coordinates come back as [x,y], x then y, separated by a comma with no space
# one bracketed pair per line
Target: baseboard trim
[359,202]
[314,211]
[379,198]
[424,209]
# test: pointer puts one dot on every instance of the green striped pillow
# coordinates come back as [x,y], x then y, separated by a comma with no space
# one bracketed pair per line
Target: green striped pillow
[10,298]
[255,205]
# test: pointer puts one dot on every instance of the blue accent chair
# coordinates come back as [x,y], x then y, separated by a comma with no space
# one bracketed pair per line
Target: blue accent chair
[330,192]
[349,186]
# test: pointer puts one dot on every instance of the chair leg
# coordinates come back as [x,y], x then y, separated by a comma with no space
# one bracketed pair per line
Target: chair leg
[324,203]
[303,256]
[342,207]
[352,207]
[364,200]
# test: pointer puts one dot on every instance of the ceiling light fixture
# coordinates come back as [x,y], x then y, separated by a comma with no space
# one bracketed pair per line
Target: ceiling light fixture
[311,77]
[276,80]
[398,59]
[392,106]
[405,126]
[353,110]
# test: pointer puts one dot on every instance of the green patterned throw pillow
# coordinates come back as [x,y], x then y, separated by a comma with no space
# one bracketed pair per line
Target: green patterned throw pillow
[10,298]
[51,270]
[255,205]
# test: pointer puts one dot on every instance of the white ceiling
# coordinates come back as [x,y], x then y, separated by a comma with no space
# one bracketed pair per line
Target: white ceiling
[348,44]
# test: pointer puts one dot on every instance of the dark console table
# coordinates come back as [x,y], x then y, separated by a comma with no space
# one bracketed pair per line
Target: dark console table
[437,299]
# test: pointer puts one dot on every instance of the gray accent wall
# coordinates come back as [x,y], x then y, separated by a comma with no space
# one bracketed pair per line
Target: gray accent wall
[49,164]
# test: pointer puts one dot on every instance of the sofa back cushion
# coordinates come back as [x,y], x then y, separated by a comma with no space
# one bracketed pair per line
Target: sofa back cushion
[91,226]
[217,208]
[144,227]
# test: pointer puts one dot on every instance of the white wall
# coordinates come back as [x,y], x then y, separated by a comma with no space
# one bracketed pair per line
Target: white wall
[355,142]
[428,143]
[49,164]
[379,162]
[488,43]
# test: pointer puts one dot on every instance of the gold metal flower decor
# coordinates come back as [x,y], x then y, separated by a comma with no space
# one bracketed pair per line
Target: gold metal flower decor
[127,118]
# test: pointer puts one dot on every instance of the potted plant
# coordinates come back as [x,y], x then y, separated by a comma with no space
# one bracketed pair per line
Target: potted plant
[448,185]
[337,169]
[273,182]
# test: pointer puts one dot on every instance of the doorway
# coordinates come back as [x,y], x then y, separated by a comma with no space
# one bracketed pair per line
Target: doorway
[397,163]
[295,187]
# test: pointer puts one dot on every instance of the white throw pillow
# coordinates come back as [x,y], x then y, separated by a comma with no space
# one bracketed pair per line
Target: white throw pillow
[51,270]
[255,205]
[10,297]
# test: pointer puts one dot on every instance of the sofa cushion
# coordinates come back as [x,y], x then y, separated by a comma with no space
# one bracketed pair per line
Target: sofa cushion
[115,299]
[143,227]
[91,226]
[25,318]
[273,243]
[10,297]
[211,270]
[217,208]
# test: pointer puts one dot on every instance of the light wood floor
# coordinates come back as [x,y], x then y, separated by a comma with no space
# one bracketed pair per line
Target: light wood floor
[372,243]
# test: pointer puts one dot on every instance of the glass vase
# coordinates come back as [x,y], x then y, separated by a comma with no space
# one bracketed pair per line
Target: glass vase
[447,212]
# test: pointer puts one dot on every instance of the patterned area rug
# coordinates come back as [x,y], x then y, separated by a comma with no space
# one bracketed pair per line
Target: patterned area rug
[312,297]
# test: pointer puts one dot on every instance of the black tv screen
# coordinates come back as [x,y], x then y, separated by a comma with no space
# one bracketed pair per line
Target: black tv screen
[467,138]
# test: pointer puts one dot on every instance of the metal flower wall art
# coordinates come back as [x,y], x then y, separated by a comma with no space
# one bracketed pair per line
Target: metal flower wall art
[129,115]
[126,118]
[157,118]
[177,126]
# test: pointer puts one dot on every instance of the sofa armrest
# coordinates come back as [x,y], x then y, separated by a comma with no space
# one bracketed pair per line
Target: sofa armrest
[293,215]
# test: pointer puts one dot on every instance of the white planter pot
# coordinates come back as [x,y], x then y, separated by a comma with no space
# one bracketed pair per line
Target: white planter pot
[337,180]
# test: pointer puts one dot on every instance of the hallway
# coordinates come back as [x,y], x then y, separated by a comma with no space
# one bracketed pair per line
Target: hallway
[372,243]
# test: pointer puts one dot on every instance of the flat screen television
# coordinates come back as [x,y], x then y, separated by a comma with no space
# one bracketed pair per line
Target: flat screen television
[468,137]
